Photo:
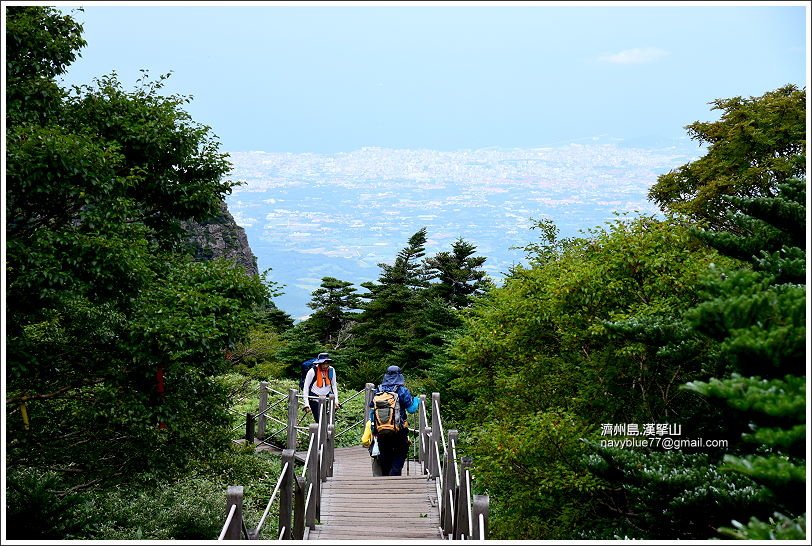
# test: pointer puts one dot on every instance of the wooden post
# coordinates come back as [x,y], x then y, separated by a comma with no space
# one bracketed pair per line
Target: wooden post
[435,432]
[234,497]
[286,495]
[462,522]
[263,407]
[322,437]
[322,419]
[447,508]
[329,452]
[432,448]
[369,389]
[331,409]
[293,417]
[328,436]
[422,438]
[249,428]
[481,504]
[313,477]
[299,509]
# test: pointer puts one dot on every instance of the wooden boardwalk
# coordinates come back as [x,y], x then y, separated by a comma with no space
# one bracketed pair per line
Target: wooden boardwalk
[358,506]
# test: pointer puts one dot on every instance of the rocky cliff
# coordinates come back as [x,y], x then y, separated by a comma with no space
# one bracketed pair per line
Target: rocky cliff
[221,237]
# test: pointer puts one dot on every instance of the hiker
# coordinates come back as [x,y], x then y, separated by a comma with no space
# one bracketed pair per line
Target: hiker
[389,425]
[320,380]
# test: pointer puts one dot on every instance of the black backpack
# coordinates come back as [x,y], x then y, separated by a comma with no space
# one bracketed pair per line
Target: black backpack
[309,364]
[306,366]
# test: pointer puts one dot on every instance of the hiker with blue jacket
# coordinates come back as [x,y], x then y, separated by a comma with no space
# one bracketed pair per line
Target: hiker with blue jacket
[320,381]
[393,436]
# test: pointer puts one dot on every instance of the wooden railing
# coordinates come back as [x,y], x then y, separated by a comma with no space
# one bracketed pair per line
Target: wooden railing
[300,496]
[463,516]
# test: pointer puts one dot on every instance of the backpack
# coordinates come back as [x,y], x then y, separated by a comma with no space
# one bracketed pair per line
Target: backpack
[307,365]
[386,413]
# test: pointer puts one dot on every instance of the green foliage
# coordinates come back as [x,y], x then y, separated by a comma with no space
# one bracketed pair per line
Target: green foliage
[748,328]
[297,345]
[549,247]
[413,308]
[777,527]
[590,330]
[657,494]
[187,509]
[542,450]
[268,315]
[785,397]
[459,274]
[759,318]
[358,370]
[757,144]
[36,509]
[114,334]
[40,44]
[256,355]
[333,319]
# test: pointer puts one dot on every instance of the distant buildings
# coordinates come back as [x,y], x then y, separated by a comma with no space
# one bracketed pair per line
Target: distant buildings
[311,215]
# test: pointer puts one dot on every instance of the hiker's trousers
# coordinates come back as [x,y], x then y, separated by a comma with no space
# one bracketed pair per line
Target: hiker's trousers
[394,450]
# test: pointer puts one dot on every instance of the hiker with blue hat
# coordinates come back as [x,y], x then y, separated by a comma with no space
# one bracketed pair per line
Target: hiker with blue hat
[390,404]
[320,381]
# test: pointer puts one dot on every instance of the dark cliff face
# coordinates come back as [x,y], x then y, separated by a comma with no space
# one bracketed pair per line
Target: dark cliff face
[221,237]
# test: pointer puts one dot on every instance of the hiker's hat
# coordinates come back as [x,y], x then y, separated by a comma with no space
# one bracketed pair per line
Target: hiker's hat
[323,357]
[393,376]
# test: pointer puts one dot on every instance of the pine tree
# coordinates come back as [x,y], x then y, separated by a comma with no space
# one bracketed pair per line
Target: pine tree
[460,274]
[387,320]
[333,303]
[758,316]
[743,339]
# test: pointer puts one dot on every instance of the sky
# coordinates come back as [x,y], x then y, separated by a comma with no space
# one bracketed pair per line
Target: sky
[309,77]
[608,87]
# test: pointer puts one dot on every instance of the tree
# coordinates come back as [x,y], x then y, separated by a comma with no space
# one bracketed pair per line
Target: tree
[757,144]
[460,275]
[538,357]
[298,344]
[758,317]
[41,43]
[747,331]
[385,323]
[114,335]
[332,320]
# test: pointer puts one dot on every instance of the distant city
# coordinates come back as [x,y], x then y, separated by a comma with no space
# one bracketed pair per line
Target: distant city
[309,216]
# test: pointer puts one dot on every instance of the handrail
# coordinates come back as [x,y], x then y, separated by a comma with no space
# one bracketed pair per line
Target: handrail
[273,496]
[463,516]
[307,457]
[228,521]
[439,419]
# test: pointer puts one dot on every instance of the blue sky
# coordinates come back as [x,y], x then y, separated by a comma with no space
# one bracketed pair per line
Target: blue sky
[412,111]
[327,79]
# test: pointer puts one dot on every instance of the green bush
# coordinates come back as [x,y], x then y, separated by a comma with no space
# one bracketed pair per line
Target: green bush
[35,508]
[190,509]
[193,507]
